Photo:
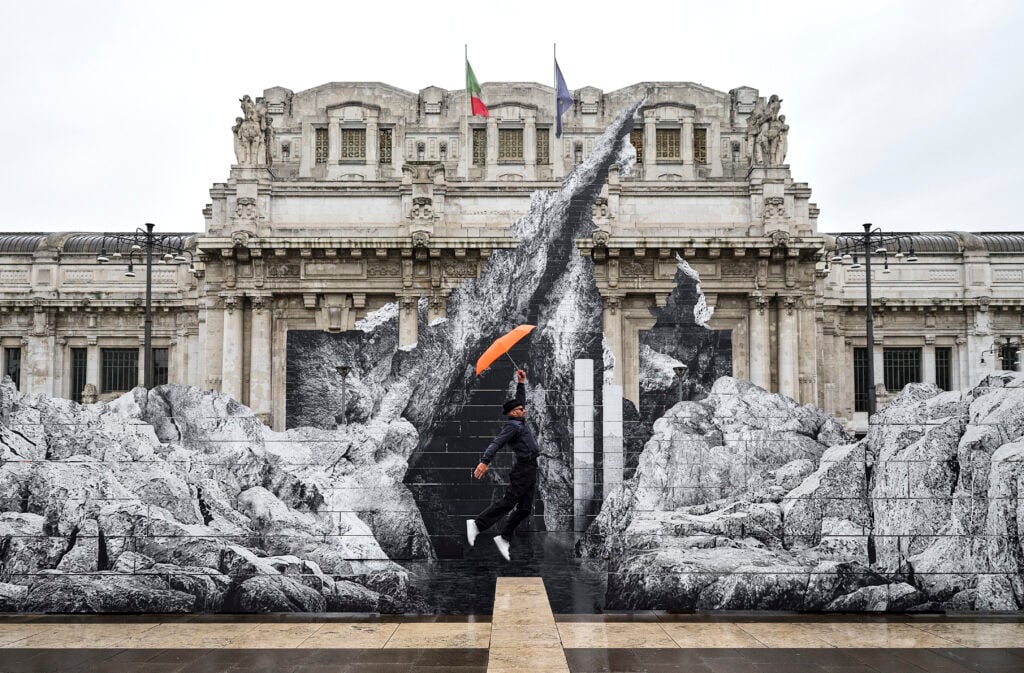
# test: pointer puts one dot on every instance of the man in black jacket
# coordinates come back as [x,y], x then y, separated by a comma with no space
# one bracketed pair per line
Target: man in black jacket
[523,480]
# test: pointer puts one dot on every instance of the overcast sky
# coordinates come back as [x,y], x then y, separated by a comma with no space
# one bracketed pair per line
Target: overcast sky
[901,113]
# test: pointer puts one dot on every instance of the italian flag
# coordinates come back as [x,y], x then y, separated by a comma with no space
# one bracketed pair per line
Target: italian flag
[473,89]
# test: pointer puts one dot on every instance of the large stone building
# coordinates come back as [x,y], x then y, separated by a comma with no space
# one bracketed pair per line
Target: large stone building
[350,196]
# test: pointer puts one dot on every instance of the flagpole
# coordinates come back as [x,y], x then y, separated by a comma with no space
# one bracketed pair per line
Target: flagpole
[554,78]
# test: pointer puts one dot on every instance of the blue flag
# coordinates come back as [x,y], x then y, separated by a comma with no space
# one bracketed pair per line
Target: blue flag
[564,100]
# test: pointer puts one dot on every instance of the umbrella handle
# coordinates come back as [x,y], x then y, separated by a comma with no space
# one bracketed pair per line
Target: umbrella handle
[513,361]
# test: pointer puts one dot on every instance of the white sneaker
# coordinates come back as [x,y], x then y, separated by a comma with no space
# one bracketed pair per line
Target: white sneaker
[471,531]
[502,545]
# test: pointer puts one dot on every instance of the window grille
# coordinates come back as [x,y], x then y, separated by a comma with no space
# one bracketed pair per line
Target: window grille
[322,146]
[700,146]
[902,366]
[79,361]
[944,367]
[384,146]
[543,146]
[479,147]
[860,379]
[353,143]
[636,139]
[119,369]
[286,151]
[666,142]
[510,144]
[12,365]
[161,366]
[1008,355]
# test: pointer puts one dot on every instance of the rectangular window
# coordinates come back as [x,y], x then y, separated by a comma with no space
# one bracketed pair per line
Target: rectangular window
[510,144]
[323,144]
[944,367]
[119,369]
[543,147]
[12,365]
[479,147]
[286,151]
[666,142]
[353,143]
[700,146]
[384,146]
[79,360]
[636,139]
[161,366]
[1008,356]
[860,379]
[902,366]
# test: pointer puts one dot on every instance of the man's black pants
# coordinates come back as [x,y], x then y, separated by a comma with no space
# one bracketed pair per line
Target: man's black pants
[519,495]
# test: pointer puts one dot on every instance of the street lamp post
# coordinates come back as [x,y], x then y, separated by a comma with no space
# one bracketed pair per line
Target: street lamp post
[343,371]
[871,242]
[173,247]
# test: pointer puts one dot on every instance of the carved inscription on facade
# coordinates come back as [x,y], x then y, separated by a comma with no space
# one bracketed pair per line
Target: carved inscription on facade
[383,269]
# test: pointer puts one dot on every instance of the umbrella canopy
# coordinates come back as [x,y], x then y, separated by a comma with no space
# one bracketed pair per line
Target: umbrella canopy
[501,346]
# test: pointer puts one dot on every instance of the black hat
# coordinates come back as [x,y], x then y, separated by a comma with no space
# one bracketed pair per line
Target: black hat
[509,405]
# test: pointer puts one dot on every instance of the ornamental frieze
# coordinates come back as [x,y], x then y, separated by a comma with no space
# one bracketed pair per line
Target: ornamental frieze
[636,268]
[283,270]
[383,269]
[457,269]
[738,268]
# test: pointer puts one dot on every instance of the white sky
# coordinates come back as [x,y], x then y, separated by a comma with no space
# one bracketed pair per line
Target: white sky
[119,113]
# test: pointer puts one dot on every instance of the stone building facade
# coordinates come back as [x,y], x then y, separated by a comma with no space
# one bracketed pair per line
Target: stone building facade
[350,196]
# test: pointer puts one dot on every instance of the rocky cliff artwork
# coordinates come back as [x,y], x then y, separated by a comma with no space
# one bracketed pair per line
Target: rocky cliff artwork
[179,500]
[745,500]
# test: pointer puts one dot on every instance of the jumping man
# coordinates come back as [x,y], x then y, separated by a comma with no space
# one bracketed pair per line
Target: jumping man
[523,480]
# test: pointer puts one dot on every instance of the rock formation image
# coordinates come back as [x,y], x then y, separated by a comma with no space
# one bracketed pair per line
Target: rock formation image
[179,500]
[745,500]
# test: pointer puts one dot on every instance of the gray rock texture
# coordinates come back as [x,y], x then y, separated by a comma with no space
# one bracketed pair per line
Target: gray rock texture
[181,500]
[746,500]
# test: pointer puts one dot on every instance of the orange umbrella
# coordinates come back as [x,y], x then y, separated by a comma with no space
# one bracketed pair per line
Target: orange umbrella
[501,346]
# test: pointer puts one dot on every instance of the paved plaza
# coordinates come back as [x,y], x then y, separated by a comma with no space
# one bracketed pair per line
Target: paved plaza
[522,635]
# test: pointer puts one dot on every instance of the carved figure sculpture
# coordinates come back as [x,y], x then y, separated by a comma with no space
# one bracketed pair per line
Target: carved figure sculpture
[767,133]
[252,135]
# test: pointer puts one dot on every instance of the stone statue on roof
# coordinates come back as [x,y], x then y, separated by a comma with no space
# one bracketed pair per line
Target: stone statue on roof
[767,133]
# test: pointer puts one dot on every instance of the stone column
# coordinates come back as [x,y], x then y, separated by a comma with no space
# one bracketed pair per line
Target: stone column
[92,362]
[650,141]
[788,338]
[583,442]
[928,359]
[759,349]
[613,447]
[492,148]
[408,320]
[611,323]
[879,363]
[530,147]
[808,352]
[372,142]
[687,141]
[232,349]
[59,357]
[260,349]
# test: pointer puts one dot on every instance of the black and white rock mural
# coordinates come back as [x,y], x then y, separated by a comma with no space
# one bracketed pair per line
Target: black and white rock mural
[177,500]
[181,500]
[745,500]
